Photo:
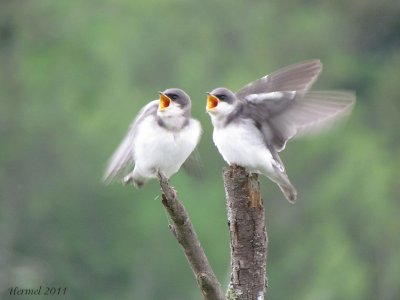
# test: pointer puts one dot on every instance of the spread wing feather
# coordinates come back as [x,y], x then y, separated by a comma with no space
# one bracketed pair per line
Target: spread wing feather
[282,106]
[123,157]
[297,77]
[314,112]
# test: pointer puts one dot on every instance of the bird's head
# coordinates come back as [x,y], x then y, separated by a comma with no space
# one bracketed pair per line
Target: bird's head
[174,103]
[221,102]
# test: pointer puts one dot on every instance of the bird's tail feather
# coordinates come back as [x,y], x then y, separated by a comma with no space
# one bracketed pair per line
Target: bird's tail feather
[281,179]
[289,191]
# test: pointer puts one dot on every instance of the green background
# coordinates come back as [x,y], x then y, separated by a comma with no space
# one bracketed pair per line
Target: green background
[73,74]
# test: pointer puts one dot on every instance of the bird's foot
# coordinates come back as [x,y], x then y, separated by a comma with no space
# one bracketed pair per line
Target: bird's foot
[128,179]
[164,182]
[161,176]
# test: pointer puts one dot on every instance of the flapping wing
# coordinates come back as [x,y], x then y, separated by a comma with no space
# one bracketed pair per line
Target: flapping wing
[298,77]
[123,157]
[282,115]
[193,165]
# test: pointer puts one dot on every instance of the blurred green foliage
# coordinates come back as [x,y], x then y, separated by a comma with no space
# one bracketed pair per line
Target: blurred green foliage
[73,74]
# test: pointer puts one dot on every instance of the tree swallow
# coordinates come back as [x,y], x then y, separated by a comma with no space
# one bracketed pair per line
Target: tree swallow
[161,138]
[254,124]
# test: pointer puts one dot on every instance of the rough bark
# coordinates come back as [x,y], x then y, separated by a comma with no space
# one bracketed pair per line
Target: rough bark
[248,236]
[184,232]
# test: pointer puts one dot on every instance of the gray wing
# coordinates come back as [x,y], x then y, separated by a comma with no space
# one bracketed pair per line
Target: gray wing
[297,77]
[283,115]
[123,157]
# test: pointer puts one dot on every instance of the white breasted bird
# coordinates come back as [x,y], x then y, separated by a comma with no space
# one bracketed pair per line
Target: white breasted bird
[161,138]
[254,124]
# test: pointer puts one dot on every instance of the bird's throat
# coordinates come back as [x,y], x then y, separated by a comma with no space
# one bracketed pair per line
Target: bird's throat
[172,123]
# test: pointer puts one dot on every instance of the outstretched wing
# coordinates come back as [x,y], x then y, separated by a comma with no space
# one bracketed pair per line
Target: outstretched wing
[124,158]
[298,77]
[282,115]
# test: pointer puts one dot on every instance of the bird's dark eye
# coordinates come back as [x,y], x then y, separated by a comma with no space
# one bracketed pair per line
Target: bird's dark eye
[173,96]
[221,97]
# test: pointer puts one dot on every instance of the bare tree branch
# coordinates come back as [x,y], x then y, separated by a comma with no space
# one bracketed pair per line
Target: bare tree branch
[248,235]
[184,232]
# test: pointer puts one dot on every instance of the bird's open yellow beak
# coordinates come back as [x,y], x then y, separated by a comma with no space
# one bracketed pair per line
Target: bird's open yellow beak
[165,101]
[212,102]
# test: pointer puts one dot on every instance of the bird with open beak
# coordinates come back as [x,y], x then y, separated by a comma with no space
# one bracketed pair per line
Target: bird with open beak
[161,138]
[254,124]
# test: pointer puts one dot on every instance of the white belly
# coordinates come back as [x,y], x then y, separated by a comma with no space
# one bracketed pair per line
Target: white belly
[156,148]
[242,144]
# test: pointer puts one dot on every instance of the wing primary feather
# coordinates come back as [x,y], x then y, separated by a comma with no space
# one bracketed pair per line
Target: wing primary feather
[313,113]
[123,157]
[307,113]
[298,77]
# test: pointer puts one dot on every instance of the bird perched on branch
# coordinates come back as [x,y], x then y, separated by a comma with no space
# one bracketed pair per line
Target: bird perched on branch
[254,124]
[160,139]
